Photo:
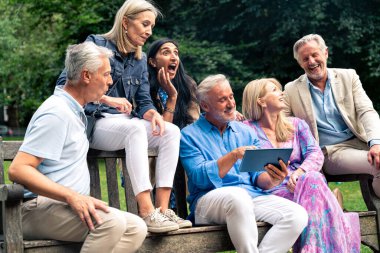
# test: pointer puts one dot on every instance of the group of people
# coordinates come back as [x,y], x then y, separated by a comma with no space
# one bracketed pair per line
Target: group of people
[144,101]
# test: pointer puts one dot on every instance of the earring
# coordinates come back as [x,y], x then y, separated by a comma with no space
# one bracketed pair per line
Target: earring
[126,31]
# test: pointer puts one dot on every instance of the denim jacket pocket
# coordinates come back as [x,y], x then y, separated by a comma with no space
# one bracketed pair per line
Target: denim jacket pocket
[131,84]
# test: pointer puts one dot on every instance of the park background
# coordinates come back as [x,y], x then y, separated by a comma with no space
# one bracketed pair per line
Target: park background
[242,39]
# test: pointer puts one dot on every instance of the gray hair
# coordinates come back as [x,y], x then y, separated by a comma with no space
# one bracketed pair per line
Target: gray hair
[307,38]
[85,55]
[207,84]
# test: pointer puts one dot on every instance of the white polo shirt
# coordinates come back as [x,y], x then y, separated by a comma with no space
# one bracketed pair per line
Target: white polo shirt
[57,133]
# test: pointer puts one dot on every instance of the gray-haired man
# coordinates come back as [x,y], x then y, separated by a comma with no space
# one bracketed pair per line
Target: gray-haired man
[51,164]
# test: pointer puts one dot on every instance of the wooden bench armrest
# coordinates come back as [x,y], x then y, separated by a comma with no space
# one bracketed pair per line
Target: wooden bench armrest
[11,197]
[11,192]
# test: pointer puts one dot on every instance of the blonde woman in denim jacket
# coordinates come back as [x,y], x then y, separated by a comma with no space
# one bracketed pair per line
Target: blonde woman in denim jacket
[130,120]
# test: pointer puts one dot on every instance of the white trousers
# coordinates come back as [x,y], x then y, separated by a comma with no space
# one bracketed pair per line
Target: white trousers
[118,131]
[350,157]
[233,206]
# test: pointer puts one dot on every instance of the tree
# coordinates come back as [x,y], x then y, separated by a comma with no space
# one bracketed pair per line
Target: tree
[32,48]
[261,33]
[243,39]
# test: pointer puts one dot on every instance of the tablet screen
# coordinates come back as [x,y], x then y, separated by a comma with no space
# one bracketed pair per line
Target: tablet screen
[256,159]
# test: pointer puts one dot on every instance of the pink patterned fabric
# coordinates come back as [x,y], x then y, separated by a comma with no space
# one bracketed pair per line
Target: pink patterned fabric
[329,228]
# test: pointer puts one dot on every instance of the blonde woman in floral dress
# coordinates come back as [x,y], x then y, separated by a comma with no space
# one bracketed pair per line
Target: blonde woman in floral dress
[329,228]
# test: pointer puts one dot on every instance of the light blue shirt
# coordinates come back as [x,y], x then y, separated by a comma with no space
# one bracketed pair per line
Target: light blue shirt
[202,145]
[331,127]
[57,134]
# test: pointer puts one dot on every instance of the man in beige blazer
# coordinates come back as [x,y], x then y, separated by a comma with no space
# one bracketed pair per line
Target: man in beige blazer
[338,111]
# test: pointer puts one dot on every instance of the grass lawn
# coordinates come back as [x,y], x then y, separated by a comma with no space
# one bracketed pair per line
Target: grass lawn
[351,195]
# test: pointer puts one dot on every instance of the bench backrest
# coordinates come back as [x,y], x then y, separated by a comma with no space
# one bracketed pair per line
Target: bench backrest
[114,161]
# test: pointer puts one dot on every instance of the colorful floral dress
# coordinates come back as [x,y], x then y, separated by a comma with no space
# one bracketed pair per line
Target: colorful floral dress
[329,229]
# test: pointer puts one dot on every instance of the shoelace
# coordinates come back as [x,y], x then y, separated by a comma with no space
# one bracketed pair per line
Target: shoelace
[157,216]
[171,214]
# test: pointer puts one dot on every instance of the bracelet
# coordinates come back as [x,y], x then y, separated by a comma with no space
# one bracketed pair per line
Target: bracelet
[167,109]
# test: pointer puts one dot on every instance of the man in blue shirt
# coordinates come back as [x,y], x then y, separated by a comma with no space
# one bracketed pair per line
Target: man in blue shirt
[51,164]
[211,151]
[339,112]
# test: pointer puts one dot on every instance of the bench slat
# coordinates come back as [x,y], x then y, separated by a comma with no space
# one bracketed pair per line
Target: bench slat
[93,168]
[112,184]
[128,190]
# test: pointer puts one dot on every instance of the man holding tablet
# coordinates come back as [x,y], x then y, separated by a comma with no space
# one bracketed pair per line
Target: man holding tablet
[211,152]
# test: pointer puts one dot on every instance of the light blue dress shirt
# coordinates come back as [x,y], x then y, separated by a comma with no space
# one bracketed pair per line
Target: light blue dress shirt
[202,145]
[331,127]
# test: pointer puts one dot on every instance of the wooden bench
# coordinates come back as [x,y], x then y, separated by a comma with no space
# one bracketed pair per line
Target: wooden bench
[196,239]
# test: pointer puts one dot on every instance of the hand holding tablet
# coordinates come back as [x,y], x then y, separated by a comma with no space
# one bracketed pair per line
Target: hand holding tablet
[257,159]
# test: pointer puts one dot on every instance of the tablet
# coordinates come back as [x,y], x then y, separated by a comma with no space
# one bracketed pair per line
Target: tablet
[256,159]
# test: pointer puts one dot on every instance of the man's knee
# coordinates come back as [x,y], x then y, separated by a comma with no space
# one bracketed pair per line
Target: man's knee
[114,222]
[298,219]
[137,230]
[238,201]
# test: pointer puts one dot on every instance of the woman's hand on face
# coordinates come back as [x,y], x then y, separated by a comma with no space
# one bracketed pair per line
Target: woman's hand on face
[165,83]
[121,104]
[291,185]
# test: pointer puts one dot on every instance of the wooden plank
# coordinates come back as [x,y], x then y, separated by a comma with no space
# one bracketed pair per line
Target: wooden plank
[197,239]
[93,168]
[12,226]
[10,149]
[112,184]
[115,154]
[128,190]
[52,247]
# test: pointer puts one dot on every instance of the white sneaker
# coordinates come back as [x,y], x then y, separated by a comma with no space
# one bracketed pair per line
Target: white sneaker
[173,217]
[159,223]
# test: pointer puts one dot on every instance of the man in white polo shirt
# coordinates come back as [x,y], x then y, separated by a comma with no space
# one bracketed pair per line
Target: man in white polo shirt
[51,164]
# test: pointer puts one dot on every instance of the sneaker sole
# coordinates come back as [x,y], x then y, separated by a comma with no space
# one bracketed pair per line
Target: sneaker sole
[185,225]
[163,229]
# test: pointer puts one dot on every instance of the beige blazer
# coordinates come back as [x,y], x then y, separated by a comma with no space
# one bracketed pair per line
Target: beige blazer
[352,101]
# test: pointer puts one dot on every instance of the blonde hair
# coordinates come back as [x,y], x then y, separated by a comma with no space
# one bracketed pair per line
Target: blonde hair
[130,9]
[253,111]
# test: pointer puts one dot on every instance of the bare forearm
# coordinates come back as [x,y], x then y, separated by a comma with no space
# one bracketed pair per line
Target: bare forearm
[226,162]
[23,171]
[168,113]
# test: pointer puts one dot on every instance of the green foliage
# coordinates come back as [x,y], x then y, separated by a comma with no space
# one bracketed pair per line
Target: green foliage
[261,34]
[243,39]
[32,46]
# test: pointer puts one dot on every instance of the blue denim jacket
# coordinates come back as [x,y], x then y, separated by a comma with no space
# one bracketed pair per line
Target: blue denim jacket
[129,76]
